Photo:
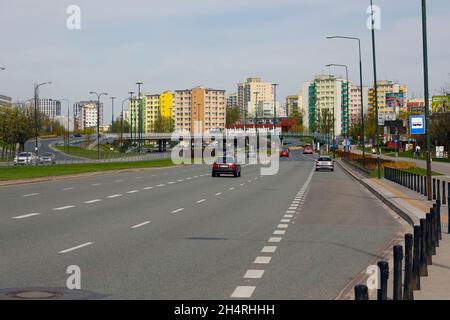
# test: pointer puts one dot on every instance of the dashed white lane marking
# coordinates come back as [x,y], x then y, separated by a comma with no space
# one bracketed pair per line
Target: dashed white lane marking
[290,211]
[232,188]
[92,201]
[114,196]
[243,292]
[140,224]
[180,180]
[195,176]
[292,208]
[242,184]
[202,200]
[70,188]
[178,210]
[96,184]
[148,188]
[31,194]
[133,191]
[262,260]
[288,215]
[285,220]
[218,193]
[279,232]
[26,215]
[171,182]
[274,239]
[188,178]
[249,181]
[282,226]
[253,274]
[77,247]
[63,208]
[161,185]
[269,249]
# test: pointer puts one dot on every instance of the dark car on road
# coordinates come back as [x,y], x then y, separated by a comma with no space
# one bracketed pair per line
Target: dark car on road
[226,165]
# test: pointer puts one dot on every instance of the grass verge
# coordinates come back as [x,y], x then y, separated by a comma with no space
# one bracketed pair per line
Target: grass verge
[29,172]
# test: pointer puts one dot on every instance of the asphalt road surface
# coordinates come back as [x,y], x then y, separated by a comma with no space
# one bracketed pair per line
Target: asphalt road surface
[178,233]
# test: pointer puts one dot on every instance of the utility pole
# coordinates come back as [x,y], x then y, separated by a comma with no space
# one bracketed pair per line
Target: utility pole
[140,116]
[99,95]
[427,97]
[112,116]
[131,118]
[375,89]
[274,106]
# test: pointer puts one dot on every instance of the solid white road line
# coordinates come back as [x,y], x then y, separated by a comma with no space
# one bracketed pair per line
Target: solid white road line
[140,224]
[243,292]
[77,247]
[92,201]
[63,208]
[30,195]
[262,260]
[274,239]
[178,210]
[279,232]
[269,249]
[114,196]
[254,274]
[27,215]
[133,191]
[200,201]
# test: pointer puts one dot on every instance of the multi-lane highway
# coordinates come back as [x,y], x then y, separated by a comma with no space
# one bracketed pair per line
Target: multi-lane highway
[178,233]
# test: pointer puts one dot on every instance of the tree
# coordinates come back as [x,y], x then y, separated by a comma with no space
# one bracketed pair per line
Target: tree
[233,115]
[297,116]
[440,129]
[164,125]
[116,126]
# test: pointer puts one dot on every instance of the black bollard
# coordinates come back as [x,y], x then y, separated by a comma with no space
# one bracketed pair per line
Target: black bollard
[434,188]
[398,257]
[384,276]
[408,278]
[444,197]
[416,259]
[361,292]
[425,186]
[429,239]
[435,237]
[423,248]
[438,190]
[438,218]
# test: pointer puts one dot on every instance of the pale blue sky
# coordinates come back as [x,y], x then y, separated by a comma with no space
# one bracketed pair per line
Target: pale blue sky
[178,44]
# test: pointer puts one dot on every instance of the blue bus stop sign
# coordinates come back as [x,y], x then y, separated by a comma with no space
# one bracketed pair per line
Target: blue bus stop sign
[417,124]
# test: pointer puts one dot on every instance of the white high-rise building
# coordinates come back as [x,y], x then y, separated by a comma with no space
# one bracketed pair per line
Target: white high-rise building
[85,114]
[51,108]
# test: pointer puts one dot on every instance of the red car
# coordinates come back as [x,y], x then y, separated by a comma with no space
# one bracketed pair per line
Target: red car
[308,149]
[284,153]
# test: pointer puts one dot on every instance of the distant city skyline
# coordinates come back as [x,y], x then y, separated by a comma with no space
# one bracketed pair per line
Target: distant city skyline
[177,44]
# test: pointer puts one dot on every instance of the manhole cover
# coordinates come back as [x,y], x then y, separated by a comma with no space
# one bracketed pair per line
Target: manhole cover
[35,295]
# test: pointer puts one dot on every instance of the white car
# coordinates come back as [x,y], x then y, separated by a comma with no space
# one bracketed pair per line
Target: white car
[25,158]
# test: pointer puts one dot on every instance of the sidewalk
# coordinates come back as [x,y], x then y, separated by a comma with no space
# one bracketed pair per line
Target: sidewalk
[440,167]
[437,285]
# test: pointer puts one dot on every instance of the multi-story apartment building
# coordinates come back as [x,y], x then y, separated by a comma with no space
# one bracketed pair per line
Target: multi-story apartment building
[166,104]
[199,109]
[416,106]
[292,103]
[250,91]
[85,114]
[232,100]
[51,108]
[355,103]
[392,98]
[5,101]
[326,92]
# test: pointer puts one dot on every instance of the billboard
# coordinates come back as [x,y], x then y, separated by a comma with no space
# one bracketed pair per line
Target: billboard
[395,101]
[440,103]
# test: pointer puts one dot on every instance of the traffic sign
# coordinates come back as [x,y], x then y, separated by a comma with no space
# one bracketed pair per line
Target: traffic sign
[417,124]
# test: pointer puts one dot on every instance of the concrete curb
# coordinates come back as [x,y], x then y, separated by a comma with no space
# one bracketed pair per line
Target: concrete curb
[403,214]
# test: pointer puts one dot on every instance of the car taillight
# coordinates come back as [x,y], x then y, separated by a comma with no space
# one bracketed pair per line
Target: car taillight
[232,166]
[215,165]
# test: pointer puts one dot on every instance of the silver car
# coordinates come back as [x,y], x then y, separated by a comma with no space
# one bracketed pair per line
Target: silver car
[325,163]
[25,158]
[47,158]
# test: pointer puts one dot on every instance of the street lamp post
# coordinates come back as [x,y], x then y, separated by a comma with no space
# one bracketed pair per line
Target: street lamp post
[121,122]
[426,94]
[375,89]
[131,117]
[360,85]
[347,124]
[274,106]
[2,68]
[36,97]
[112,115]
[98,119]
[256,120]
[139,117]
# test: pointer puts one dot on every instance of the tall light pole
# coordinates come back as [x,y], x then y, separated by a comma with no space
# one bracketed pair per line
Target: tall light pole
[426,94]
[121,121]
[375,89]
[112,115]
[140,116]
[131,93]
[99,95]
[347,124]
[360,85]
[274,106]
[36,97]
[2,68]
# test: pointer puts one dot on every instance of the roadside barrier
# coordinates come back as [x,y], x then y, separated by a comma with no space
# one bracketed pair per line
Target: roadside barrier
[419,248]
